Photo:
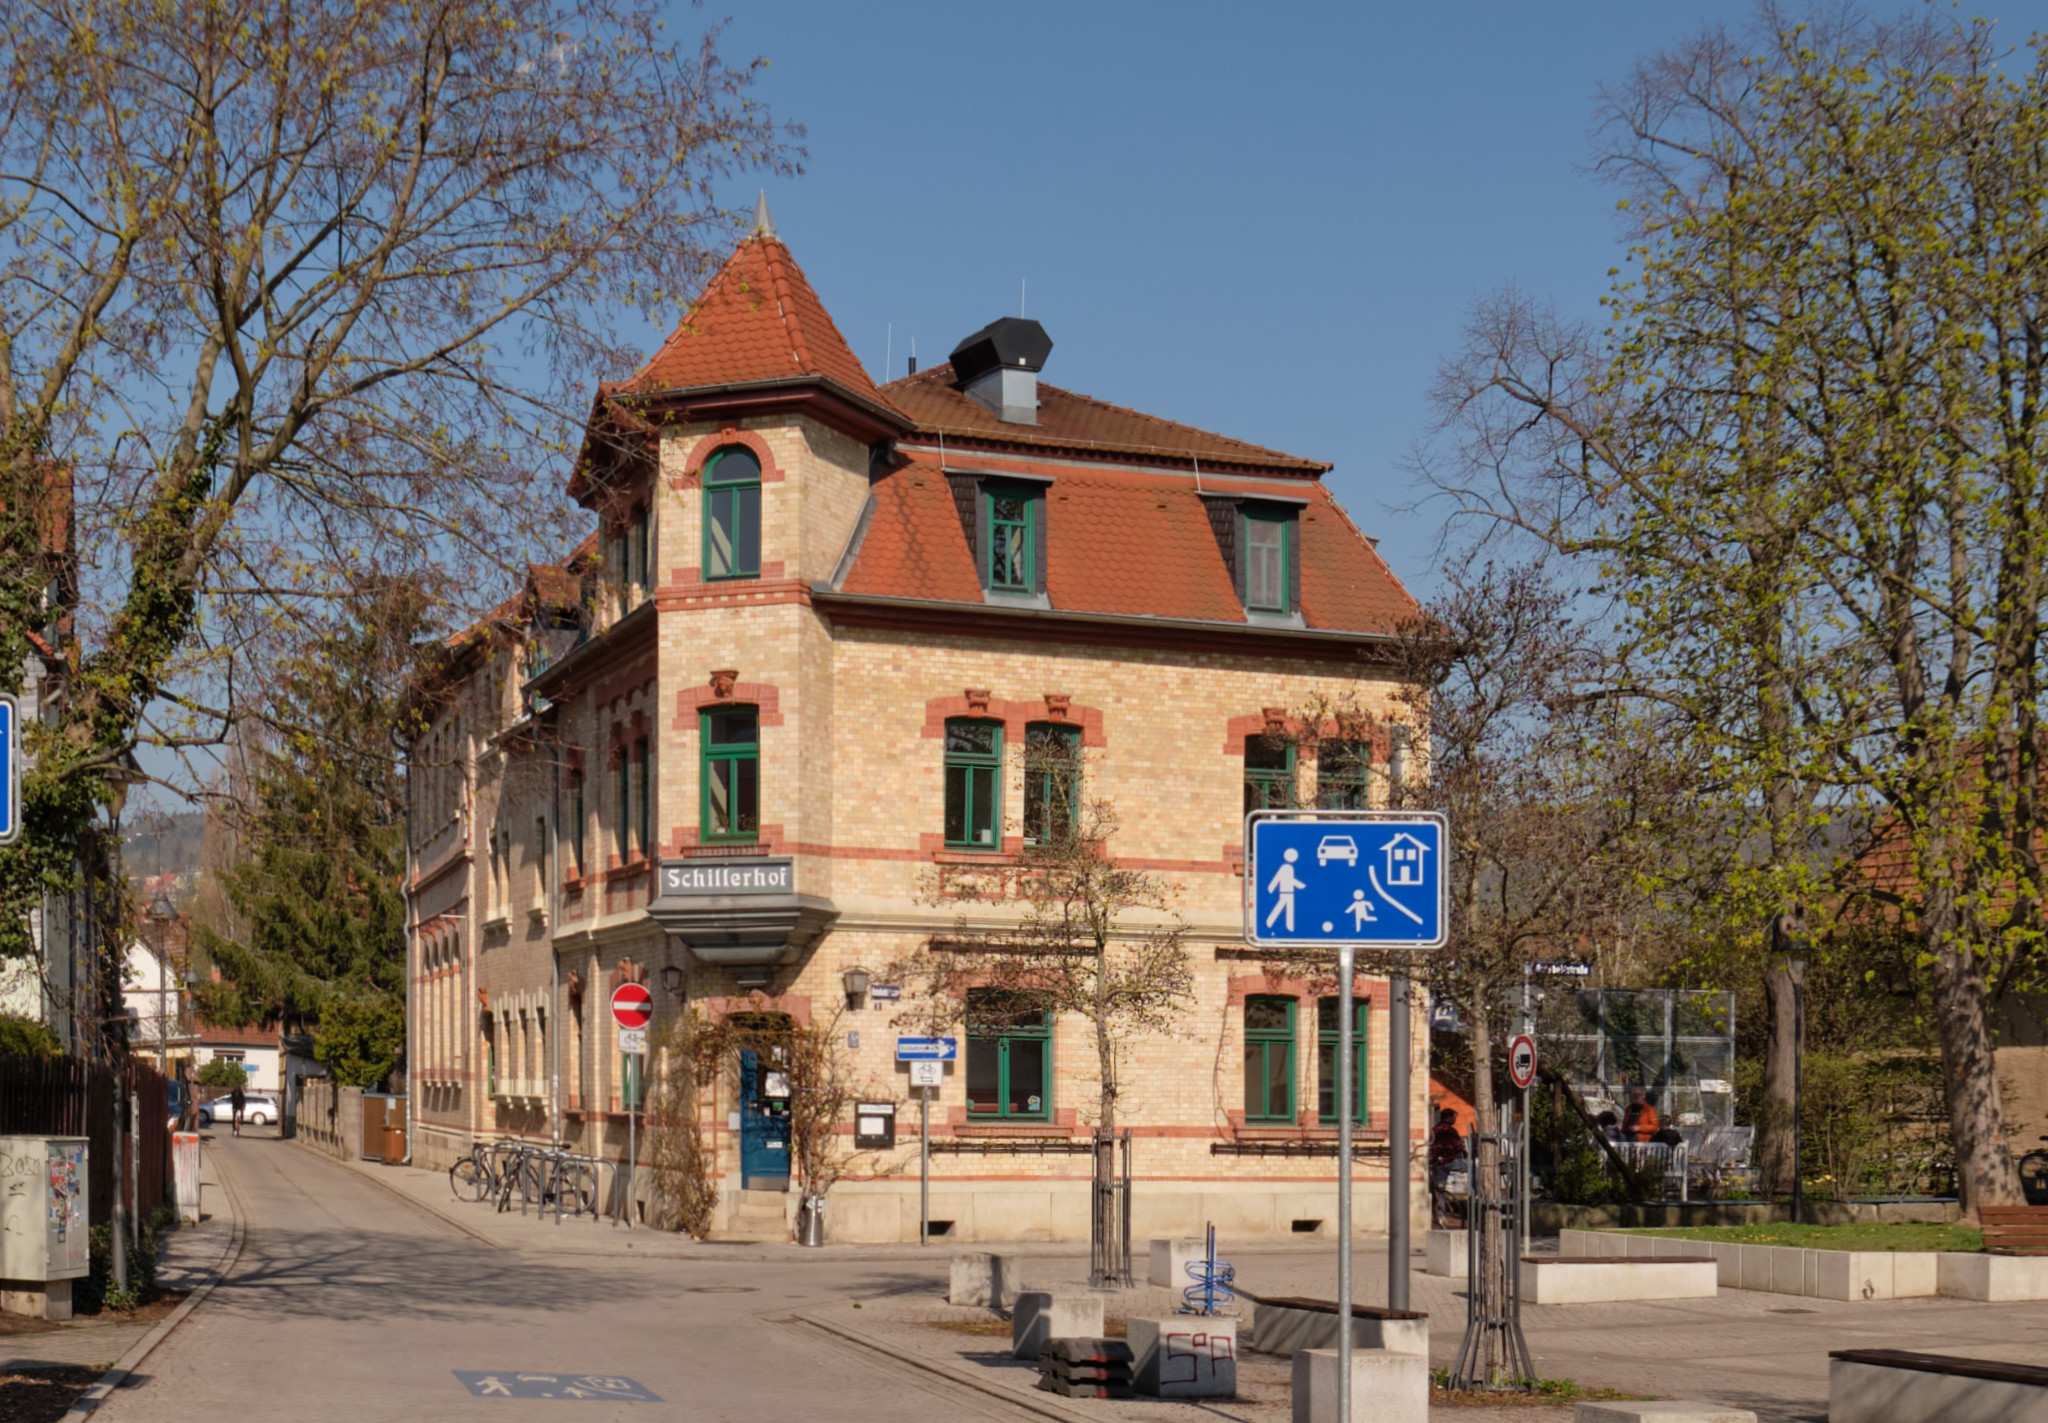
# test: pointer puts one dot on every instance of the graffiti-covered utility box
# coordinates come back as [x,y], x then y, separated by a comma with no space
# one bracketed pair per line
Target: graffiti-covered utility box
[44,1237]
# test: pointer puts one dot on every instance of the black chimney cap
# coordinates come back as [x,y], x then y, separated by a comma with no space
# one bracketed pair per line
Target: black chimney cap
[1013,343]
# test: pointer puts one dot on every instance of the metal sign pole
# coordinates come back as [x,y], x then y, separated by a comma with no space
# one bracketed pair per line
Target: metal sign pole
[924,1166]
[1398,1203]
[1347,1085]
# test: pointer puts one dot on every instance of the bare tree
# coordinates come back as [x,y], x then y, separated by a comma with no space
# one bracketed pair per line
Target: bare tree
[291,295]
[1078,934]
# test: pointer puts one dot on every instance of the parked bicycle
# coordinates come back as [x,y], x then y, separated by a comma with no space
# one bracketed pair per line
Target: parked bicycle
[535,1176]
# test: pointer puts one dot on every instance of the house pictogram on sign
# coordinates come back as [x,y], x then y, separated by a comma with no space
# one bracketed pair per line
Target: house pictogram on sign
[1404,859]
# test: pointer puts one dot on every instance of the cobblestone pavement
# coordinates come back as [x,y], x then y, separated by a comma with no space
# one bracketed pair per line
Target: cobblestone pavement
[360,1289]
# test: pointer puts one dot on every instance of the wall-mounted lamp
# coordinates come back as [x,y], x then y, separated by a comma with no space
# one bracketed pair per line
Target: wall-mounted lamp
[856,983]
[672,980]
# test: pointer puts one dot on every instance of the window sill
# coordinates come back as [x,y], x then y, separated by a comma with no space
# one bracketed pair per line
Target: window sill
[1282,1132]
[631,870]
[496,923]
[1011,1126]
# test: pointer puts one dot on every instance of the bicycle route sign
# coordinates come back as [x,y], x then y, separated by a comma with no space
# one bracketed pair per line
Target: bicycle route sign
[1319,878]
[632,1005]
[10,772]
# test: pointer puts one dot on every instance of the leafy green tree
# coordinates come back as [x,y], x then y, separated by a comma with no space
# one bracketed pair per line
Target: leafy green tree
[359,1037]
[222,1072]
[319,900]
[1807,456]
[27,1037]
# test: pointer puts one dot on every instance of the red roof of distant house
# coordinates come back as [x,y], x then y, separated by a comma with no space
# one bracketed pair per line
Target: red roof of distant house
[214,1035]
[758,320]
[1078,424]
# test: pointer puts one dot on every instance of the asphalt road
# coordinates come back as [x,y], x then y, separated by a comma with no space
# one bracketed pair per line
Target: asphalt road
[349,1303]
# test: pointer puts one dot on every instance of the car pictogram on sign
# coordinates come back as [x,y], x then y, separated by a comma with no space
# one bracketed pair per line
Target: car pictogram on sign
[1337,847]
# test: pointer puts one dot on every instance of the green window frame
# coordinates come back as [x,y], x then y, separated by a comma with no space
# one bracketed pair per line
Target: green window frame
[1327,1024]
[1010,513]
[974,784]
[1268,774]
[1009,1057]
[1268,563]
[1268,1059]
[1052,781]
[732,514]
[1343,775]
[729,778]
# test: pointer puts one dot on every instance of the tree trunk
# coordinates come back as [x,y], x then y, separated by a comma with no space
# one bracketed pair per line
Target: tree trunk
[1985,1175]
[1776,1142]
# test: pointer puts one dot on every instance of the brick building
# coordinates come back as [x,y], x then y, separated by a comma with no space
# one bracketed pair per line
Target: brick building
[748,730]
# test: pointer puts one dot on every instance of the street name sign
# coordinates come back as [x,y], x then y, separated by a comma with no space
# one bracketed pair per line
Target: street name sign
[927,1049]
[10,772]
[632,1005]
[1374,879]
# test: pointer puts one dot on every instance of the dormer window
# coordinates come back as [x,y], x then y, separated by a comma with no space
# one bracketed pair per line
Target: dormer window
[1012,516]
[732,514]
[1260,540]
[1265,563]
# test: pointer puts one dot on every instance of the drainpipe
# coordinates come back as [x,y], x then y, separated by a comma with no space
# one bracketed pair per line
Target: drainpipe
[551,861]
[412,937]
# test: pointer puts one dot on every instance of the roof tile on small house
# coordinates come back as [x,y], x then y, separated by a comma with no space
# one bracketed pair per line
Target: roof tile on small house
[758,320]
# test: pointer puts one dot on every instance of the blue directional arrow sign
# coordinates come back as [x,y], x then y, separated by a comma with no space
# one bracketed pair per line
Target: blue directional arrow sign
[927,1049]
[1348,877]
[10,773]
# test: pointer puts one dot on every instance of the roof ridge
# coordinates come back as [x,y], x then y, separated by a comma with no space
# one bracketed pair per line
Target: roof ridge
[785,301]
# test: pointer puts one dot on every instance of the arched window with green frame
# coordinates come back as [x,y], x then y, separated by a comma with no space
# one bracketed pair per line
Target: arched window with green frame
[732,514]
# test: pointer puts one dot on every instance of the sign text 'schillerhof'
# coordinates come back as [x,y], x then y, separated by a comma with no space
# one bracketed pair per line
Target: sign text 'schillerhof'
[715,877]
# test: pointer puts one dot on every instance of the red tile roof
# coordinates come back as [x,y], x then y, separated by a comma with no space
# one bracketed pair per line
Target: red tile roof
[1074,423]
[1124,542]
[757,320]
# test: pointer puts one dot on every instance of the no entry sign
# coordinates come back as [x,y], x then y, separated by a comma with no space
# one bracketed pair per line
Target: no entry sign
[632,1005]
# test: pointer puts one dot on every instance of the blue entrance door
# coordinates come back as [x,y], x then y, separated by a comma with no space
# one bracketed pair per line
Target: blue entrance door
[764,1128]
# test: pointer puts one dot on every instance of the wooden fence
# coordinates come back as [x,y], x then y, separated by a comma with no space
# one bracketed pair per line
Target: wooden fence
[65,1096]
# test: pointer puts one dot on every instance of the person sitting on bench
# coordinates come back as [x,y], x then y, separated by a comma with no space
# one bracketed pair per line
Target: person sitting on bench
[1640,1121]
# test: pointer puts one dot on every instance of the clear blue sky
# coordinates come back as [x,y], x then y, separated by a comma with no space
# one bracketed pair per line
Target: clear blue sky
[1266,220]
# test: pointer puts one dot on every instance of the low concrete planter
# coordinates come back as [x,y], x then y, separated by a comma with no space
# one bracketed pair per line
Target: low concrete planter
[1835,1274]
[1170,1260]
[984,1281]
[1549,1217]
[1387,1386]
[1287,1326]
[1607,1279]
[1895,1386]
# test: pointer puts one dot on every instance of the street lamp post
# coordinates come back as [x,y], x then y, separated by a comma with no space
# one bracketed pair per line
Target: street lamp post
[1798,968]
[161,913]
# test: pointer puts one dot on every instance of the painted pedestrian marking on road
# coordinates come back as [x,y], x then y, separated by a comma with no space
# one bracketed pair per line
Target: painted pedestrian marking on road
[1360,878]
[505,1383]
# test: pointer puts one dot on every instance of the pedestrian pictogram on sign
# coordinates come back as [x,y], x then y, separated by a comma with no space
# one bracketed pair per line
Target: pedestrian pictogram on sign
[632,1005]
[1522,1060]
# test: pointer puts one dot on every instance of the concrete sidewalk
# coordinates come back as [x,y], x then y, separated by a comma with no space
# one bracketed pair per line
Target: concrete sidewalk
[186,1257]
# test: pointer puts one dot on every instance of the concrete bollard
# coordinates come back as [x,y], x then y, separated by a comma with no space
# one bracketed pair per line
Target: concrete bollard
[984,1281]
[1445,1253]
[1170,1260]
[1184,1356]
[1041,1317]
[1387,1386]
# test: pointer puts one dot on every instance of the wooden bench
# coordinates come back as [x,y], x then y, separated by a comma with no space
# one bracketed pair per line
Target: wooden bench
[1901,1386]
[2014,1230]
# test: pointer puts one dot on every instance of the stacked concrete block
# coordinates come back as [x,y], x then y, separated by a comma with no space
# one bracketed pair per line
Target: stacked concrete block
[1387,1386]
[984,1281]
[1041,1317]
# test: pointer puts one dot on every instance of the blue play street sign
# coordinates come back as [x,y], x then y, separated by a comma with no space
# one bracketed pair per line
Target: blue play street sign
[10,773]
[1375,879]
[927,1049]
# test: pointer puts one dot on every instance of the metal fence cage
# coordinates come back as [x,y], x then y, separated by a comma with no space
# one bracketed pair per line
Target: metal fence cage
[1678,1044]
